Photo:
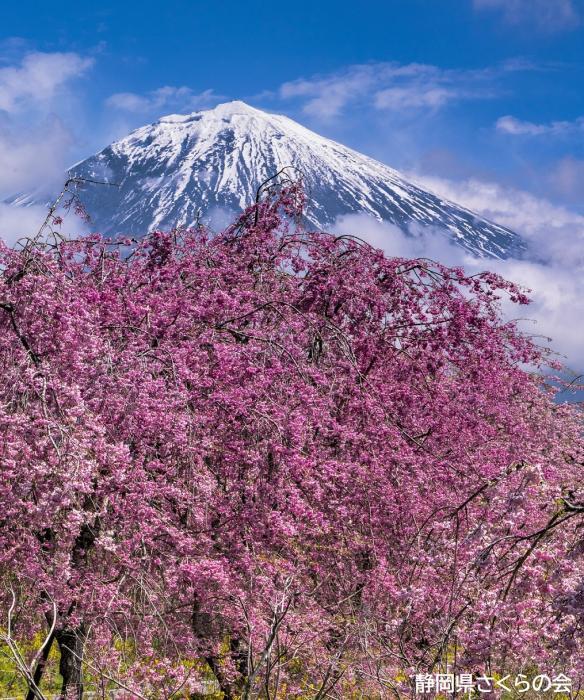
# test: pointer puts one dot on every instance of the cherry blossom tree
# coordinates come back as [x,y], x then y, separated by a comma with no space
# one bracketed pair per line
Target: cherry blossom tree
[280,460]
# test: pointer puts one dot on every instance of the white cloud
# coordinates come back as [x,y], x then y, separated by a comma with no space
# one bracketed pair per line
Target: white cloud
[33,158]
[557,294]
[547,15]
[328,95]
[419,241]
[35,144]
[394,86]
[517,127]
[20,222]
[166,97]
[38,78]
[415,97]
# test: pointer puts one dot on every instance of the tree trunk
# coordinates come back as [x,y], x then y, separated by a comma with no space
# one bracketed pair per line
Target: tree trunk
[224,685]
[211,626]
[70,643]
[40,668]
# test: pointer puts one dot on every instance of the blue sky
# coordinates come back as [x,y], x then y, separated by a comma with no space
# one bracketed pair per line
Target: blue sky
[454,88]
[480,100]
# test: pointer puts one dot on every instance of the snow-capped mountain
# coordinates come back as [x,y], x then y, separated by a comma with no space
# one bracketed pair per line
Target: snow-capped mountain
[185,167]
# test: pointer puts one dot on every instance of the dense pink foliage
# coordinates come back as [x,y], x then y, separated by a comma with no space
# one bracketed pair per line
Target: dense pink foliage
[284,453]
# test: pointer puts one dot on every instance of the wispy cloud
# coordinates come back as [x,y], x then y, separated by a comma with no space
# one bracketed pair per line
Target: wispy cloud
[416,97]
[35,142]
[545,15]
[517,127]
[164,98]
[394,87]
[326,96]
[38,78]
[33,157]
[17,223]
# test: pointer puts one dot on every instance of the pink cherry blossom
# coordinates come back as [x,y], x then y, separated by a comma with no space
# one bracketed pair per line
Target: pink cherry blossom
[282,455]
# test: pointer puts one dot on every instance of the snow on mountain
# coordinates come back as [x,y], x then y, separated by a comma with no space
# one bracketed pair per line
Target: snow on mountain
[188,166]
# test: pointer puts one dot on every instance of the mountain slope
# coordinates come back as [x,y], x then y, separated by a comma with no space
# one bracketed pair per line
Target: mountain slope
[183,166]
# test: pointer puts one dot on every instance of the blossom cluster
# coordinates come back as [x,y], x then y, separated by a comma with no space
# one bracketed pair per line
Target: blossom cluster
[282,460]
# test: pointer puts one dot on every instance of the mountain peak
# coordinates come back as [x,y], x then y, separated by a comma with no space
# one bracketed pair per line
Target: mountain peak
[235,107]
[223,110]
[184,166]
